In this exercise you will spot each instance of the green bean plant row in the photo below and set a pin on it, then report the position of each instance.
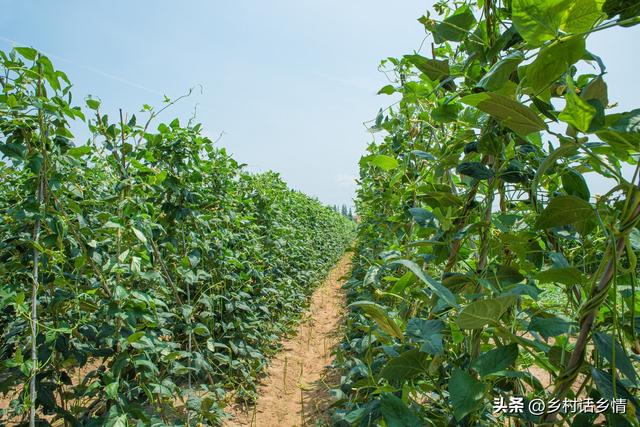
(487, 273)
(144, 273)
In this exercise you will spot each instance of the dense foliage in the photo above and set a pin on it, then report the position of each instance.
(485, 269)
(161, 273)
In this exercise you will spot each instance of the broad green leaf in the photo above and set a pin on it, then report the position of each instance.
(387, 90)
(446, 113)
(465, 393)
(549, 326)
(500, 72)
(577, 112)
(626, 8)
(384, 162)
(507, 275)
(552, 62)
(455, 27)
(575, 185)
(495, 360)
(202, 330)
(13, 150)
(421, 215)
(437, 288)
(538, 21)
(510, 113)
(94, 104)
(27, 52)
(441, 199)
(583, 16)
(434, 69)
(622, 131)
(596, 89)
(112, 390)
(379, 314)
(610, 349)
(428, 333)
(135, 337)
(395, 412)
(604, 383)
(483, 312)
(566, 210)
(119, 421)
(628, 122)
(139, 234)
(404, 367)
(566, 276)
(475, 170)
(79, 151)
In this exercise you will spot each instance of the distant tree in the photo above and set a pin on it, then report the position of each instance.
(350, 215)
(344, 210)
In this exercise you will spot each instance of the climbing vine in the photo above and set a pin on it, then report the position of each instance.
(486, 271)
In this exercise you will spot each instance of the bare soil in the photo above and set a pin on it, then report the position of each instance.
(295, 391)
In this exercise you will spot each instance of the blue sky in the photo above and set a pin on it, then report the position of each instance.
(290, 83)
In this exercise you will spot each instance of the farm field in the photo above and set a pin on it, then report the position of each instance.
(148, 277)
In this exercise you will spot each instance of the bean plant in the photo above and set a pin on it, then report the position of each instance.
(486, 270)
(144, 274)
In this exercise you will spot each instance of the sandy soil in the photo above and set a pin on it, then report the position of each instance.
(295, 391)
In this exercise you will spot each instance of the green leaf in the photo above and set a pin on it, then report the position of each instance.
(387, 90)
(27, 52)
(395, 412)
(583, 16)
(428, 333)
(626, 8)
(566, 210)
(538, 21)
(512, 114)
(404, 367)
(433, 68)
(465, 393)
(596, 89)
(382, 161)
(628, 123)
(13, 150)
(135, 337)
(437, 288)
(500, 72)
(549, 326)
(139, 235)
(575, 185)
(610, 349)
(577, 112)
(446, 113)
(484, 312)
(604, 383)
(421, 216)
(202, 330)
(119, 421)
(94, 104)
(566, 276)
(495, 360)
(112, 390)
(623, 130)
(475, 170)
(441, 199)
(552, 62)
(78, 152)
(379, 314)
(455, 27)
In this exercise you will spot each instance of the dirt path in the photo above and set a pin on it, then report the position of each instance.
(295, 391)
